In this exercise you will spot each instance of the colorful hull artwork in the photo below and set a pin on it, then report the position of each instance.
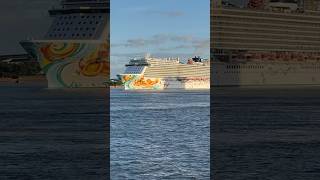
(72, 64)
(139, 82)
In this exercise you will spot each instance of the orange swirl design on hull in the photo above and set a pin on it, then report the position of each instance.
(140, 82)
(96, 64)
(145, 83)
(58, 51)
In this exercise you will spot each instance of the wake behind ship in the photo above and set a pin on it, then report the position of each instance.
(150, 73)
(75, 50)
(265, 42)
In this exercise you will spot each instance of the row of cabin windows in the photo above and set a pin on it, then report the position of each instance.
(248, 67)
(76, 28)
(311, 67)
(74, 17)
(72, 35)
(81, 22)
(133, 72)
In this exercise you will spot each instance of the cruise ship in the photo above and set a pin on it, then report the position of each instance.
(265, 42)
(75, 50)
(151, 73)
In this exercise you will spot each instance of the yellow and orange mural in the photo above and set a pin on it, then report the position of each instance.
(132, 82)
(73, 64)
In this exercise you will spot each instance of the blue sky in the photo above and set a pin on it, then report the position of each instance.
(175, 28)
(161, 27)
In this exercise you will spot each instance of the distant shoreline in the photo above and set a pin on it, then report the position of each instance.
(116, 87)
(24, 79)
(36, 79)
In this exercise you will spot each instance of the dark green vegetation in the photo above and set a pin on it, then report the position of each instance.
(114, 82)
(14, 70)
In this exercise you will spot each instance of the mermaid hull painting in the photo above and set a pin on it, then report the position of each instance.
(71, 64)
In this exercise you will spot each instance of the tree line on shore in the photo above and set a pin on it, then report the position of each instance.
(14, 70)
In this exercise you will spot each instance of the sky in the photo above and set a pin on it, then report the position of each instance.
(166, 28)
(20, 20)
(163, 28)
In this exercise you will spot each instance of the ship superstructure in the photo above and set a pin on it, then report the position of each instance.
(75, 50)
(168, 73)
(265, 42)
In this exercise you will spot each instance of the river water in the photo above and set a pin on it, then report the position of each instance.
(53, 134)
(160, 135)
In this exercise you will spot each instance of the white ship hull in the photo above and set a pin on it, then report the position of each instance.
(134, 82)
(256, 74)
(161, 74)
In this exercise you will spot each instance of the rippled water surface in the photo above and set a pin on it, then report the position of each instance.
(160, 135)
(266, 133)
(52, 134)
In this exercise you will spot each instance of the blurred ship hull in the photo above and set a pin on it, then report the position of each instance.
(265, 73)
(74, 53)
(71, 64)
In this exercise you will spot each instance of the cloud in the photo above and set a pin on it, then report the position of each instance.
(169, 43)
(143, 42)
(165, 13)
(158, 39)
(176, 48)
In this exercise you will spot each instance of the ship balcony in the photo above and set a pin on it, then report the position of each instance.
(137, 64)
(85, 3)
(55, 12)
